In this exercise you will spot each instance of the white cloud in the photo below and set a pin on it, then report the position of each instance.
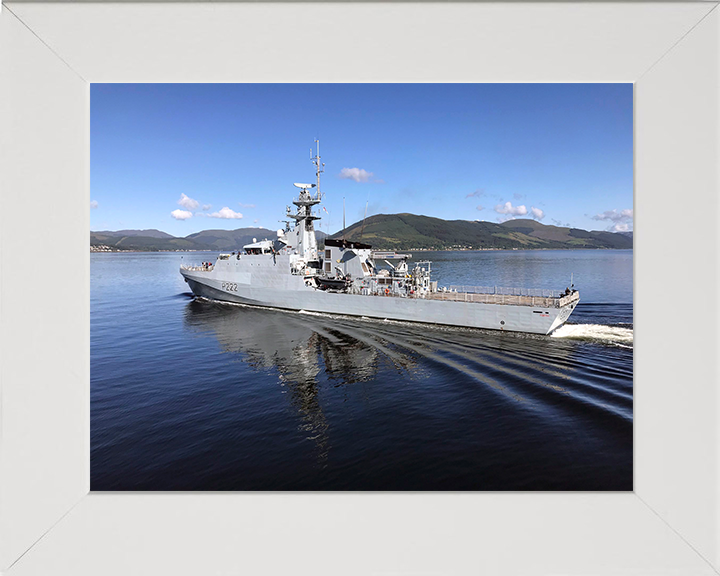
(479, 192)
(94, 204)
(511, 210)
(518, 196)
(478, 207)
(181, 214)
(206, 207)
(256, 221)
(226, 213)
(188, 203)
(537, 213)
(621, 219)
(615, 215)
(357, 174)
(246, 205)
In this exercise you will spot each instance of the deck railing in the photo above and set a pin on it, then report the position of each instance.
(508, 291)
(197, 268)
(506, 299)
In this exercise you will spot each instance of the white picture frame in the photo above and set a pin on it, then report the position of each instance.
(50, 524)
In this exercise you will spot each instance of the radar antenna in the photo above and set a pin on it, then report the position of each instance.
(319, 166)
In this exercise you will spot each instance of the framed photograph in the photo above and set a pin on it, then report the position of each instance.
(53, 55)
(294, 327)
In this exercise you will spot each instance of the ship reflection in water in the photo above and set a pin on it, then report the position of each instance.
(396, 405)
(303, 349)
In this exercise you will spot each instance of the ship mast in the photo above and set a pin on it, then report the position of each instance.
(304, 230)
(319, 167)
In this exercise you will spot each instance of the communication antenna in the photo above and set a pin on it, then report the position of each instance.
(319, 166)
(365, 216)
(343, 217)
(571, 280)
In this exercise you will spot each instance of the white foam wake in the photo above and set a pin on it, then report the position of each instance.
(311, 313)
(610, 334)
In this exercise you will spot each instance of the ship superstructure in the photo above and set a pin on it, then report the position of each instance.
(346, 277)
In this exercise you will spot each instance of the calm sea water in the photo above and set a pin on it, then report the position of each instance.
(196, 395)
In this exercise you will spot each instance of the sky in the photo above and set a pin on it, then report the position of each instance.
(188, 157)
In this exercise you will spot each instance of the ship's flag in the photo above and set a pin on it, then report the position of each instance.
(326, 212)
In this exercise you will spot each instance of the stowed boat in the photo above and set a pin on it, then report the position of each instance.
(289, 272)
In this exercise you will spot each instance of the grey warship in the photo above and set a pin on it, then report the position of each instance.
(348, 278)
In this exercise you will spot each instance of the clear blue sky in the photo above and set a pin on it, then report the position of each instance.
(561, 153)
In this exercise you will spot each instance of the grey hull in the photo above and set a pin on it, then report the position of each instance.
(260, 282)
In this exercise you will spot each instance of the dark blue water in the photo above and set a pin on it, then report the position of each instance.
(196, 395)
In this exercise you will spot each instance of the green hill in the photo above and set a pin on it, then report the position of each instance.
(155, 240)
(144, 243)
(572, 237)
(409, 231)
(150, 233)
(231, 239)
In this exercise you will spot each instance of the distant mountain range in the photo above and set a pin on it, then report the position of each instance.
(151, 233)
(386, 231)
(408, 231)
(156, 240)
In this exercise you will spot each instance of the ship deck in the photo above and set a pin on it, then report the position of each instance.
(508, 299)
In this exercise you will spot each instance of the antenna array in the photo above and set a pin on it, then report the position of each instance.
(319, 166)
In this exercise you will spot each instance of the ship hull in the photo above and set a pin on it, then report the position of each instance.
(290, 293)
